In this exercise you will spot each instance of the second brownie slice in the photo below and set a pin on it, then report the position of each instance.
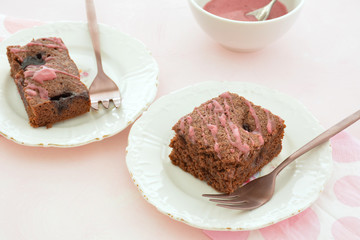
(48, 81)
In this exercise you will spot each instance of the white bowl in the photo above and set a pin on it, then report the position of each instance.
(245, 36)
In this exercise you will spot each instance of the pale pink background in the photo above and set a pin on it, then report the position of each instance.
(86, 192)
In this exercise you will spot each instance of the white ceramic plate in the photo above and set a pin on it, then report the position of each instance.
(126, 60)
(178, 194)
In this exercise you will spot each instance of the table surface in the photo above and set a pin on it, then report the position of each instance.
(86, 192)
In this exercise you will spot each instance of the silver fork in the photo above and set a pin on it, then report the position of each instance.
(102, 89)
(260, 190)
(262, 14)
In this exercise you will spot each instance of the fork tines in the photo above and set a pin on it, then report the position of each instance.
(106, 103)
(231, 201)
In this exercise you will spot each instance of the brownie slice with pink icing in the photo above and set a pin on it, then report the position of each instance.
(226, 140)
(48, 81)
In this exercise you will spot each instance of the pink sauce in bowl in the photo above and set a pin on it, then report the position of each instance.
(237, 9)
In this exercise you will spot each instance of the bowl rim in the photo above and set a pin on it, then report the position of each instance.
(292, 12)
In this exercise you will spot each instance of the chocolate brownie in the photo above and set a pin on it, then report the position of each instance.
(48, 81)
(226, 140)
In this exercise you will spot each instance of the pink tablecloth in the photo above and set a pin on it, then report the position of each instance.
(86, 193)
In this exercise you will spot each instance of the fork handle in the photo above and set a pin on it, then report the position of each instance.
(94, 32)
(323, 137)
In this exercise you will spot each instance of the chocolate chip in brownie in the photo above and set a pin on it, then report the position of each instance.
(33, 60)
